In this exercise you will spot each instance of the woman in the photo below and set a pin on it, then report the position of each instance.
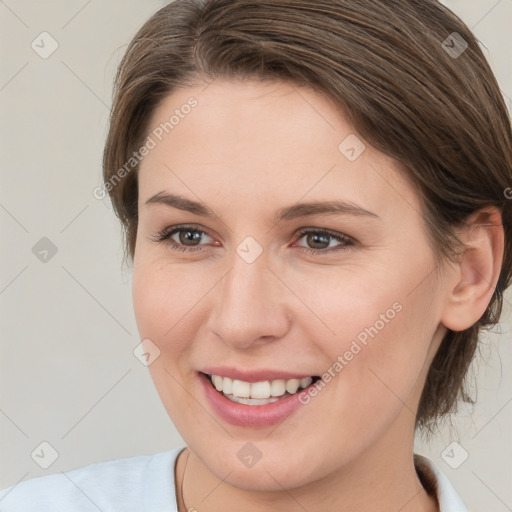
(313, 196)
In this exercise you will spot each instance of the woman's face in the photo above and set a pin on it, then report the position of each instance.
(242, 289)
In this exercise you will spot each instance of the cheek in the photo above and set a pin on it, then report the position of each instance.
(161, 304)
(158, 294)
(165, 299)
(148, 301)
(154, 302)
(375, 330)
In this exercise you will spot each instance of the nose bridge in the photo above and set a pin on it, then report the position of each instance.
(248, 305)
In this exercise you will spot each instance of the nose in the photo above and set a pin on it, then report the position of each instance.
(250, 305)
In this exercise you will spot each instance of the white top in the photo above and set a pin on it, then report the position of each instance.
(145, 483)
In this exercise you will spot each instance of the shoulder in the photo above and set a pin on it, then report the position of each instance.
(123, 484)
(436, 483)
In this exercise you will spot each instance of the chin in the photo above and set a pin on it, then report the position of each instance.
(273, 473)
(265, 479)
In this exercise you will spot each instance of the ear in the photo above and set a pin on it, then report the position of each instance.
(474, 277)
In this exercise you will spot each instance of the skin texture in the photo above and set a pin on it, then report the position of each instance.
(246, 150)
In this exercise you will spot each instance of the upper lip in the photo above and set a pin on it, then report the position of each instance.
(253, 375)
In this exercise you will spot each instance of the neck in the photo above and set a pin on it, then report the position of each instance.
(379, 479)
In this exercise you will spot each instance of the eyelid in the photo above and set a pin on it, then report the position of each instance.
(345, 240)
(165, 236)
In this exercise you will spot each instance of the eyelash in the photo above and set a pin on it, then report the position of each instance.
(164, 236)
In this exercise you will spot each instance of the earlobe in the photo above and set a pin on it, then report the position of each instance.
(476, 273)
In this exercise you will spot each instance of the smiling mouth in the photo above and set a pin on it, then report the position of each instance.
(258, 393)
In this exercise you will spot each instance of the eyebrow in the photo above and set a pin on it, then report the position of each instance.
(287, 213)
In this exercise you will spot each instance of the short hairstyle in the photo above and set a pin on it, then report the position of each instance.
(408, 74)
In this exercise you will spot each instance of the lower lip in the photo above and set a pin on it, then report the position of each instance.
(250, 415)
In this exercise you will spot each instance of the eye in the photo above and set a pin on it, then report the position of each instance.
(188, 238)
(186, 235)
(321, 237)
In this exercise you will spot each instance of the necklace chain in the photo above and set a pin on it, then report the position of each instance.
(182, 479)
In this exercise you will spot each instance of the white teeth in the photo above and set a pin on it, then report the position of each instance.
(259, 389)
(240, 388)
(252, 401)
(227, 386)
(278, 387)
(262, 391)
(292, 385)
(305, 382)
(217, 382)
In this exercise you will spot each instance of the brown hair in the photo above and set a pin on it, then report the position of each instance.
(405, 81)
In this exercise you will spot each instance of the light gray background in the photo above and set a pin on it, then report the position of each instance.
(68, 374)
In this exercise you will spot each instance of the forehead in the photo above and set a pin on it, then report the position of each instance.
(265, 143)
